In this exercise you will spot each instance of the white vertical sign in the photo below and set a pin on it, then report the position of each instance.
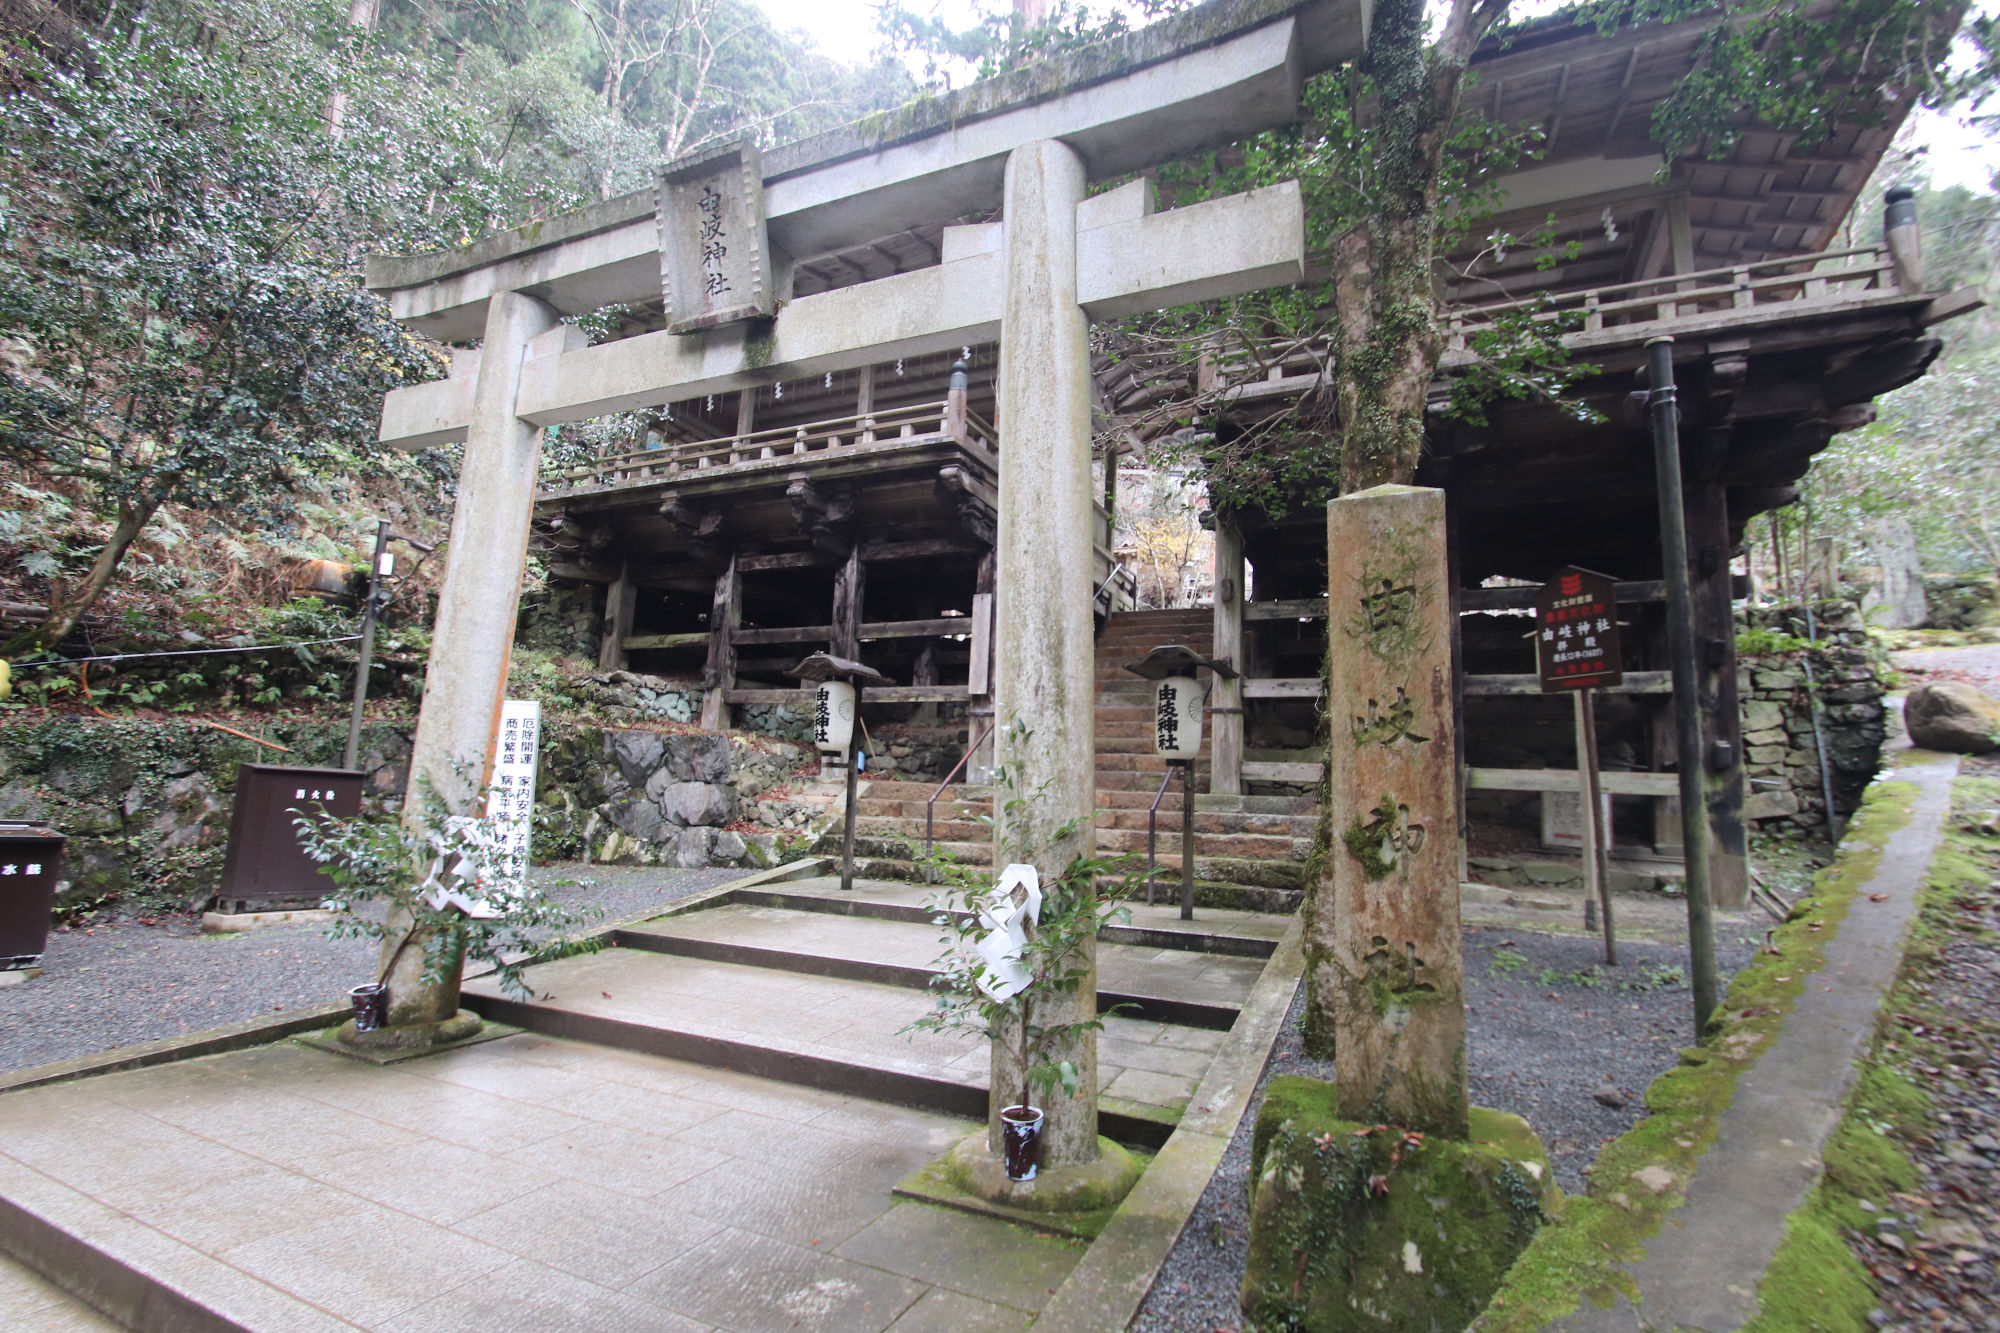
(511, 797)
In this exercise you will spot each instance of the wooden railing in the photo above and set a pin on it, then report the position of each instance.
(917, 421)
(1659, 301)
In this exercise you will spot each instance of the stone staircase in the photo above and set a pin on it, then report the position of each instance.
(1250, 851)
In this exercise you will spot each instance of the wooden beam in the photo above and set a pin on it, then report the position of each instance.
(782, 634)
(757, 564)
(925, 549)
(1611, 782)
(581, 572)
(1300, 687)
(1522, 598)
(916, 629)
(877, 694)
(979, 678)
(1298, 608)
(1636, 682)
(653, 642)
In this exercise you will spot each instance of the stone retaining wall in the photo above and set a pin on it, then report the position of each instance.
(1781, 755)
(146, 802)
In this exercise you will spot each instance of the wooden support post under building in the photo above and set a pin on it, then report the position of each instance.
(849, 588)
(725, 616)
(979, 674)
(1721, 760)
(621, 600)
(1225, 698)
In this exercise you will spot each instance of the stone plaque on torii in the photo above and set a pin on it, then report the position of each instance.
(1027, 142)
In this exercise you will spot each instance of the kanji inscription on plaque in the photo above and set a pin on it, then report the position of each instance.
(714, 256)
(1576, 632)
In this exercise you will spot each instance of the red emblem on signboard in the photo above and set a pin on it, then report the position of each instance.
(1576, 632)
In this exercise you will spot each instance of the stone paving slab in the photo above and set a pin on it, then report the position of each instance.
(829, 1018)
(528, 1183)
(1173, 974)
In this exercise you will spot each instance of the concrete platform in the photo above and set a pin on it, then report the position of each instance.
(523, 1184)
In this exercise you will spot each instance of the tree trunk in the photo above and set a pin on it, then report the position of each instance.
(1385, 310)
(64, 612)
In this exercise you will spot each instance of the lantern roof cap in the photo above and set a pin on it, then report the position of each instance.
(1175, 659)
(825, 666)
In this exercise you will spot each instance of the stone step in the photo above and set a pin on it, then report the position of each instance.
(1187, 987)
(1234, 846)
(1250, 933)
(824, 1032)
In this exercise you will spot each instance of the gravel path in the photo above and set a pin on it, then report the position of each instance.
(118, 983)
(1546, 1033)
(1979, 665)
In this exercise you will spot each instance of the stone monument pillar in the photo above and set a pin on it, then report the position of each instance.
(466, 678)
(1045, 659)
(1386, 976)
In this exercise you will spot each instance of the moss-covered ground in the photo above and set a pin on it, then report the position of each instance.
(1640, 1177)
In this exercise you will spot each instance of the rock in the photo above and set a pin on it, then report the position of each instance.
(700, 757)
(762, 849)
(1953, 717)
(637, 816)
(728, 846)
(1770, 804)
(1611, 1097)
(694, 847)
(697, 803)
(191, 816)
(1655, 1178)
(637, 753)
(1762, 717)
(20, 801)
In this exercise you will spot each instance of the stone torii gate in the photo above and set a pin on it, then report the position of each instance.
(1029, 142)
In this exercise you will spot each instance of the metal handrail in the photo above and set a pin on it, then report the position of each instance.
(1153, 833)
(930, 806)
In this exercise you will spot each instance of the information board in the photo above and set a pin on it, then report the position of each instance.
(1576, 632)
(510, 799)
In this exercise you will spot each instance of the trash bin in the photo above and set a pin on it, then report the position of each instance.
(265, 869)
(30, 864)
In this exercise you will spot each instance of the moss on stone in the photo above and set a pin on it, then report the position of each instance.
(1581, 1257)
(1363, 1227)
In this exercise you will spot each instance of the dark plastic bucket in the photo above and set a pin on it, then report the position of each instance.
(1021, 1140)
(371, 1007)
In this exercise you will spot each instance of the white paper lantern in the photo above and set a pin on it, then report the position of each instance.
(1177, 717)
(833, 716)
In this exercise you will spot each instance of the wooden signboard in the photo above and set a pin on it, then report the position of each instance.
(1576, 632)
(714, 255)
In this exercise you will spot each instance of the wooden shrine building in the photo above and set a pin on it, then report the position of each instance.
(817, 499)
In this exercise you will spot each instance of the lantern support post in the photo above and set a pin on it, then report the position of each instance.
(831, 731)
(1187, 839)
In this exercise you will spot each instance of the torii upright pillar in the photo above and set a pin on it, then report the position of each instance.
(1045, 657)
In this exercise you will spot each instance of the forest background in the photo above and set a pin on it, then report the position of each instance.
(190, 373)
